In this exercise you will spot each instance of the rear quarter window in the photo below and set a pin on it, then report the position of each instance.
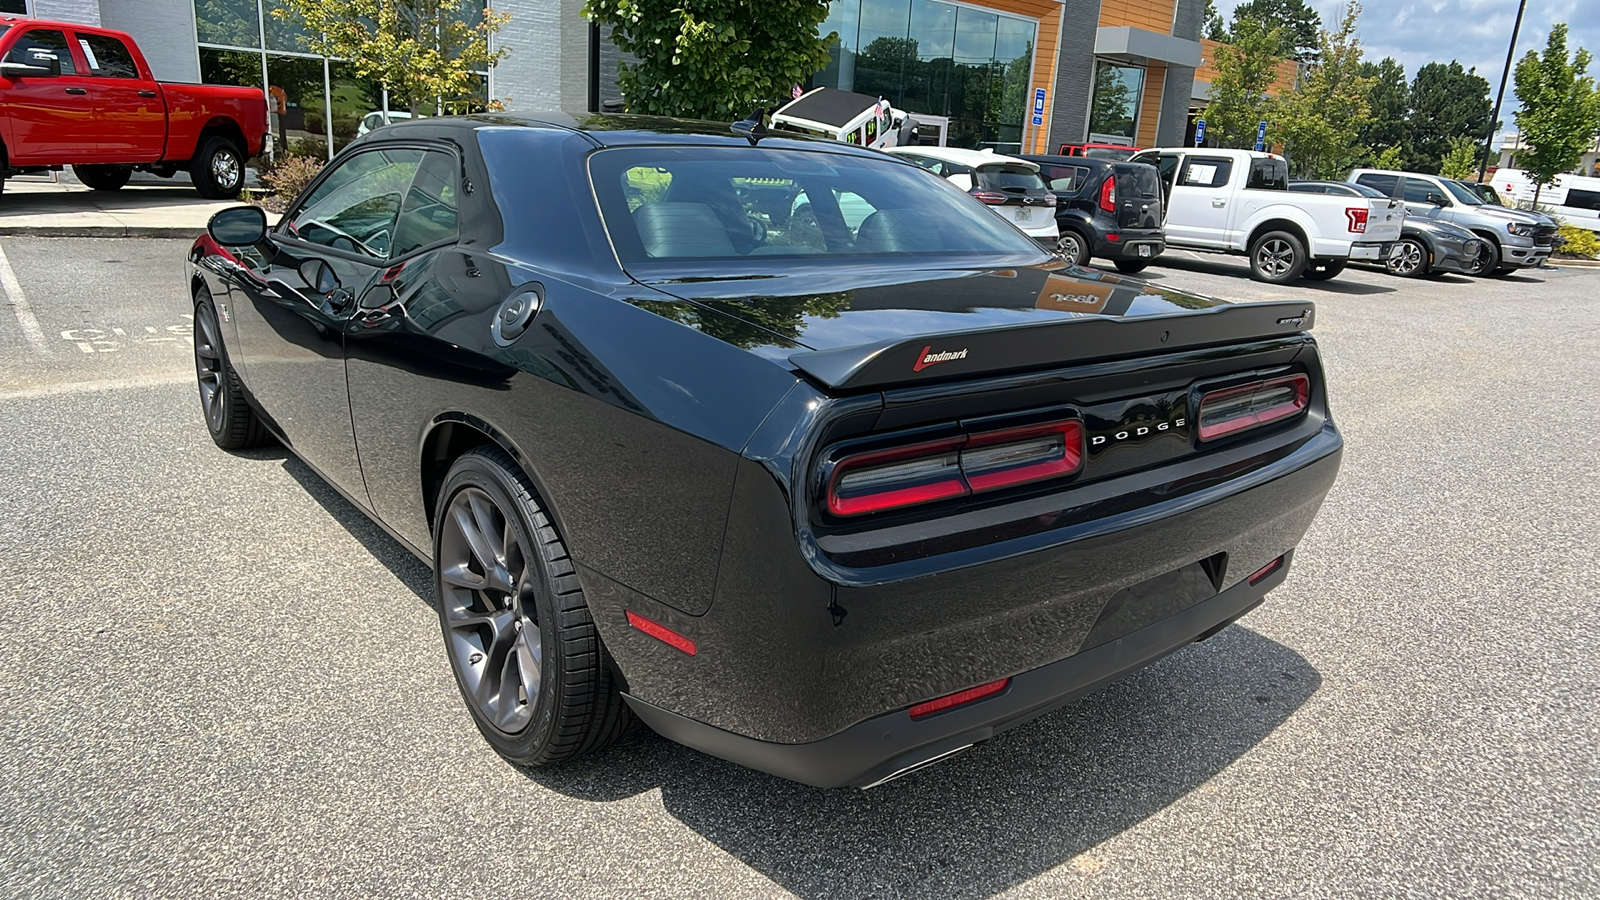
(1067, 179)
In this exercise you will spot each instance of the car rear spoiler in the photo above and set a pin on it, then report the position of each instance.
(1013, 347)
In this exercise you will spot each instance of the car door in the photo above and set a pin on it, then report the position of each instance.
(1197, 207)
(130, 116)
(51, 118)
(291, 331)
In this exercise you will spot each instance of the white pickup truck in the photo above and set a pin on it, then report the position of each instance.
(1238, 201)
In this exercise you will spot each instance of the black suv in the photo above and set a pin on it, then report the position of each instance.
(1104, 208)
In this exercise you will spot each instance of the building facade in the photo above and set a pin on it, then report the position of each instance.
(1015, 75)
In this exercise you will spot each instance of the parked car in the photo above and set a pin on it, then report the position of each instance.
(830, 505)
(84, 97)
(845, 116)
(376, 119)
(1428, 244)
(1238, 201)
(1571, 199)
(1110, 210)
(1514, 239)
(1116, 152)
(1011, 187)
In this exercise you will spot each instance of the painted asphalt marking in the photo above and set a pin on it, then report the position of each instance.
(19, 305)
(100, 340)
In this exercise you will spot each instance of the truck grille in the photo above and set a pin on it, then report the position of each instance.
(1544, 235)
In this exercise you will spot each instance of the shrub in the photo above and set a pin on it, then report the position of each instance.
(287, 179)
(1579, 242)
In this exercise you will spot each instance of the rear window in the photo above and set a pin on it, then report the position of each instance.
(698, 203)
(1138, 181)
(1384, 183)
(107, 56)
(1268, 175)
(1008, 177)
(1117, 154)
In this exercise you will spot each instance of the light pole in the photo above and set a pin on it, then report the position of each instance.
(1494, 117)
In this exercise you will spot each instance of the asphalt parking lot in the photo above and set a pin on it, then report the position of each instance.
(219, 680)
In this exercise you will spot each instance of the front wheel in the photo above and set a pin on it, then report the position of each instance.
(521, 643)
(218, 169)
(1325, 270)
(1277, 257)
(1488, 260)
(103, 178)
(1409, 261)
(230, 420)
(1131, 266)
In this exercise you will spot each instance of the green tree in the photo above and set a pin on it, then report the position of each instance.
(1560, 113)
(1214, 28)
(1246, 67)
(1462, 160)
(1447, 102)
(1389, 101)
(422, 51)
(1299, 23)
(713, 59)
(1320, 121)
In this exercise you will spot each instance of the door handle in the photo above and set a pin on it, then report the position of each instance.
(147, 93)
(1218, 204)
(78, 91)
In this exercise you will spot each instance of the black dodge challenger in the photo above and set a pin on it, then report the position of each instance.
(789, 448)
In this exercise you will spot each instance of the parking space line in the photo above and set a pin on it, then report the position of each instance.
(19, 305)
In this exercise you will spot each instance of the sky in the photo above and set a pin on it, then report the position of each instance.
(1474, 32)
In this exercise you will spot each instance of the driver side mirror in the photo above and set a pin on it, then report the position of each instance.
(238, 226)
(40, 65)
(1436, 198)
(319, 276)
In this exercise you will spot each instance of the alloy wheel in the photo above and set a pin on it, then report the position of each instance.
(1275, 258)
(1408, 261)
(489, 609)
(1070, 248)
(225, 168)
(209, 368)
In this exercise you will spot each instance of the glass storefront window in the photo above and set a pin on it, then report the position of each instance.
(299, 118)
(927, 56)
(1117, 91)
(14, 7)
(281, 35)
(239, 68)
(236, 23)
(353, 98)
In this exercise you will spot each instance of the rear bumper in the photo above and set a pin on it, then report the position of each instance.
(1130, 245)
(882, 747)
(1370, 251)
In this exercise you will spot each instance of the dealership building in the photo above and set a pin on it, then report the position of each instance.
(1016, 75)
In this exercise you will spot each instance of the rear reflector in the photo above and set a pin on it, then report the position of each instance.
(661, 632)
(1228, 411)
(939, 470)
(958, 698)
(1266, 570)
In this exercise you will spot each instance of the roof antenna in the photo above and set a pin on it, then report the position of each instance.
(753, 127)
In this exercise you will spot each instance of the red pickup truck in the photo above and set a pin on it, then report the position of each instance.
(84, 97)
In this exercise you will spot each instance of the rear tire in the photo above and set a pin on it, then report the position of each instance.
(217, 170)
(230, 420)
(521, 642)
(103, 178)
(1131, 266)
(1277, 257)
(1325, 271)
(1073, 247)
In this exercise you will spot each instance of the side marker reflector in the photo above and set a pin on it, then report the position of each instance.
(1266, 570)
(661, 632)
(952, 700)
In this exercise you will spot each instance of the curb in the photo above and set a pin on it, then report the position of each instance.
(1559, 262)
(101, 231)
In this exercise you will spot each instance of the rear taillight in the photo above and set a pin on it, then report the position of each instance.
(1232, 410)
(993, 198)
(939, 470)
(1108, 194)
(1358, 220)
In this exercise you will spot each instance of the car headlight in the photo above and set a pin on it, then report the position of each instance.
(1520, 229)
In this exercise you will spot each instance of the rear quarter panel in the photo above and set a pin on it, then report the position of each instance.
(193, 107)
(1321, 217)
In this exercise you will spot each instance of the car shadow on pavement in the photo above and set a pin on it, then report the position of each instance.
(402, 563)
(1037, 797)
(1338, 285)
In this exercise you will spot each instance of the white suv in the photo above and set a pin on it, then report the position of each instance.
(1011, 187)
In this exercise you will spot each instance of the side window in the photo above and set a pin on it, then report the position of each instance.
(355, 208)
(1417, 190)
(1579, 199)
(107, 57)
(1270, 174)
(1206, 172)
(1385, 183)
(1067, 179)
(1167, 168)
(428, 214)
(37, 43)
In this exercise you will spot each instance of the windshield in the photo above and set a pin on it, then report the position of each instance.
(683, 203)
(1467, 196)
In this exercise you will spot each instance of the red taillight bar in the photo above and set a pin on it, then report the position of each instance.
(1225, 412)
(953, 467)
(1108, 194)
(993, 198)
(661, 632)
(941, 704)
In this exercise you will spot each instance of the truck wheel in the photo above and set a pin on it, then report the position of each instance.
(103, 178)
(1488, 260)
(1325, 270)
(1277, 257)
(218, 169)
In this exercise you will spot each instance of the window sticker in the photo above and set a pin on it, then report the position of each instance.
(1201, 174)
(94, 64)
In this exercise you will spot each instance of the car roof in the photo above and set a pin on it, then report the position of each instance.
(962, 156)
(1091, 162)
